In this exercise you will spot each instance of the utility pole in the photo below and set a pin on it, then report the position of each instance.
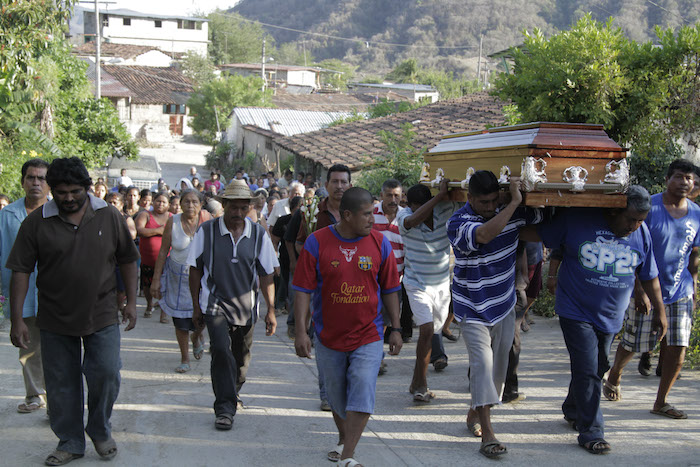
(303, 44)
(98, 39)
(262, 70)
(478, 66)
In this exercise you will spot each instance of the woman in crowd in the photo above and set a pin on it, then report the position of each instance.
(145, 200)
(131, 202)
(100, 190)
(116, 199)
(197, 185)
(150, 226)
(175, 204)
(171, 266)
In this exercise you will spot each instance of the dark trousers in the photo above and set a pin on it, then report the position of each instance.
(589, 350)
(511, 384)
(406, 315)
(438, 349)
(63, 373)
(230, 359)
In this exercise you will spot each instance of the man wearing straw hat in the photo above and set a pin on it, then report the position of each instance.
(230, 260)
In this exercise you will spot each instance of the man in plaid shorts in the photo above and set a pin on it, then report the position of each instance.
(674, 223)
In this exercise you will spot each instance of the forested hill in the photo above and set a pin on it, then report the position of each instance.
(447, 23)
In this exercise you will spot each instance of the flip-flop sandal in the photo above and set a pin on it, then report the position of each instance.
(489, 449)
(106, 449)
(475, 429)
(598, 446)
(61, 457)
(665, 411)
(29, 408)
(198, 352)
(349, 462)
(423, 396)
(335, 453)
(611, 391)
(223, 422)
(183, 368)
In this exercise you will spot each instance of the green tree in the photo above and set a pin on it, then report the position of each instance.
(401, 161)
(340, 79)
(445, 82)
(198, 68)
(216, 99)
(292, 53)
(235, 40)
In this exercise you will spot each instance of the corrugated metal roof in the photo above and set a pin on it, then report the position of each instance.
(287, 122)
(403, 86)
(138, 14)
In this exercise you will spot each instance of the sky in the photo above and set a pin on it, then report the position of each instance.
(169, 7)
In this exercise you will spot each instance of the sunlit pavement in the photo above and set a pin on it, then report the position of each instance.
(165, 418)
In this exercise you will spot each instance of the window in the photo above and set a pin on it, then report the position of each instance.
(158, 23)
(127, 21)
(105, 21)
(174, 109)
(268, 144)
(189, 24)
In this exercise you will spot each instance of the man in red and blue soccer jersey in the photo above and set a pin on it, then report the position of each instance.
(348, 267)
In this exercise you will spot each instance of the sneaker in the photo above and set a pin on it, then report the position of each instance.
(440, 364)
(325, 406)
(513, 397)
(644, 366)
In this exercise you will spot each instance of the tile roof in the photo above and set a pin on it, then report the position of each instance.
(151, 85)
(401, 86)
(286, 122)
(357, 142)
(110, 87)
(110, 49)
(333, 102)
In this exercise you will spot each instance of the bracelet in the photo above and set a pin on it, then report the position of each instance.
(395, 329)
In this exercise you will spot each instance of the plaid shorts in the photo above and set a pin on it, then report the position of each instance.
(637, 336)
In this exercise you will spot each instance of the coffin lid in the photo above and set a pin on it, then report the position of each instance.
(536, 135)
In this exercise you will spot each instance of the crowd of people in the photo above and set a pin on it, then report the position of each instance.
(352, 272)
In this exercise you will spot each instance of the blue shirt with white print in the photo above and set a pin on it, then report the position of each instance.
(597, 274)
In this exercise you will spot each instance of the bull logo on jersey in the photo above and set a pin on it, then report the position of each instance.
(348, 252)
(365, 263)
(609, 257)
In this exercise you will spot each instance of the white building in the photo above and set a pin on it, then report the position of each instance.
(294, 79)
(415, 92)
(171, 34)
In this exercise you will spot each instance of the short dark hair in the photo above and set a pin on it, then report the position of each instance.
(116, 195)
(68, 170)
(33, 163)
(483, 182)
(354, 199)
(391, 184)
(5, 197)
(295, 202)
(338, 168)
(288, 172)
(638, 198)
(145, 192)
(680, 165)
(418, 194)
(164, 194)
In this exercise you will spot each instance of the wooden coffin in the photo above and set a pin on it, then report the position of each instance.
(561, 164)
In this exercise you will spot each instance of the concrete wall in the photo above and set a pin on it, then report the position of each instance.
(302, 78)
(149, 122)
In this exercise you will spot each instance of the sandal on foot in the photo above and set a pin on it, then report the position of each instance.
(598, 446)
(106, 449)
(198, 351)
(29, 408)
(671, 412)
(422, 396)
(335, 453)
(491, 450)
(611, 391)
(148, 313)
(349, 462)
(223, 422)
(474, 428)
(61, 457)
(183, 368)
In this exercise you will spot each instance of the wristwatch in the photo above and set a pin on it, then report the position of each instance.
(395, 329)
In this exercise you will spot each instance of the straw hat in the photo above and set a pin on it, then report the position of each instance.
(237, 189)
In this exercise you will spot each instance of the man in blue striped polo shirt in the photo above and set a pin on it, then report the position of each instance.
(426, 274)
(485, 240)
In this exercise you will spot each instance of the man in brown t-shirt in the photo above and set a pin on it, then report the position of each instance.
(75, 241)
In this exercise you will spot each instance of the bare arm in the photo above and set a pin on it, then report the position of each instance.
(129, 274)
(275, 241)
(19, 284)
(391, 303)
(141, 229)
(293, 253)
(160, 261)
(132, 227)
(302, 343)
(528, 233)
(693, 268)
(195, 286)
(659, 322)
(493, 227)
(267, 286)
(554, 264)
(425, 211)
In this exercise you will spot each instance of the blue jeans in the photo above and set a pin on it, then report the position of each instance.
(63, 373)
(589, 350)
(438, 348)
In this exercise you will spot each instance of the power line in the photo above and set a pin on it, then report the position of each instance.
(367, 42)
(669, 11)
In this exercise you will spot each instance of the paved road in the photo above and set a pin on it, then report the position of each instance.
(176, 159)
(163, 418)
